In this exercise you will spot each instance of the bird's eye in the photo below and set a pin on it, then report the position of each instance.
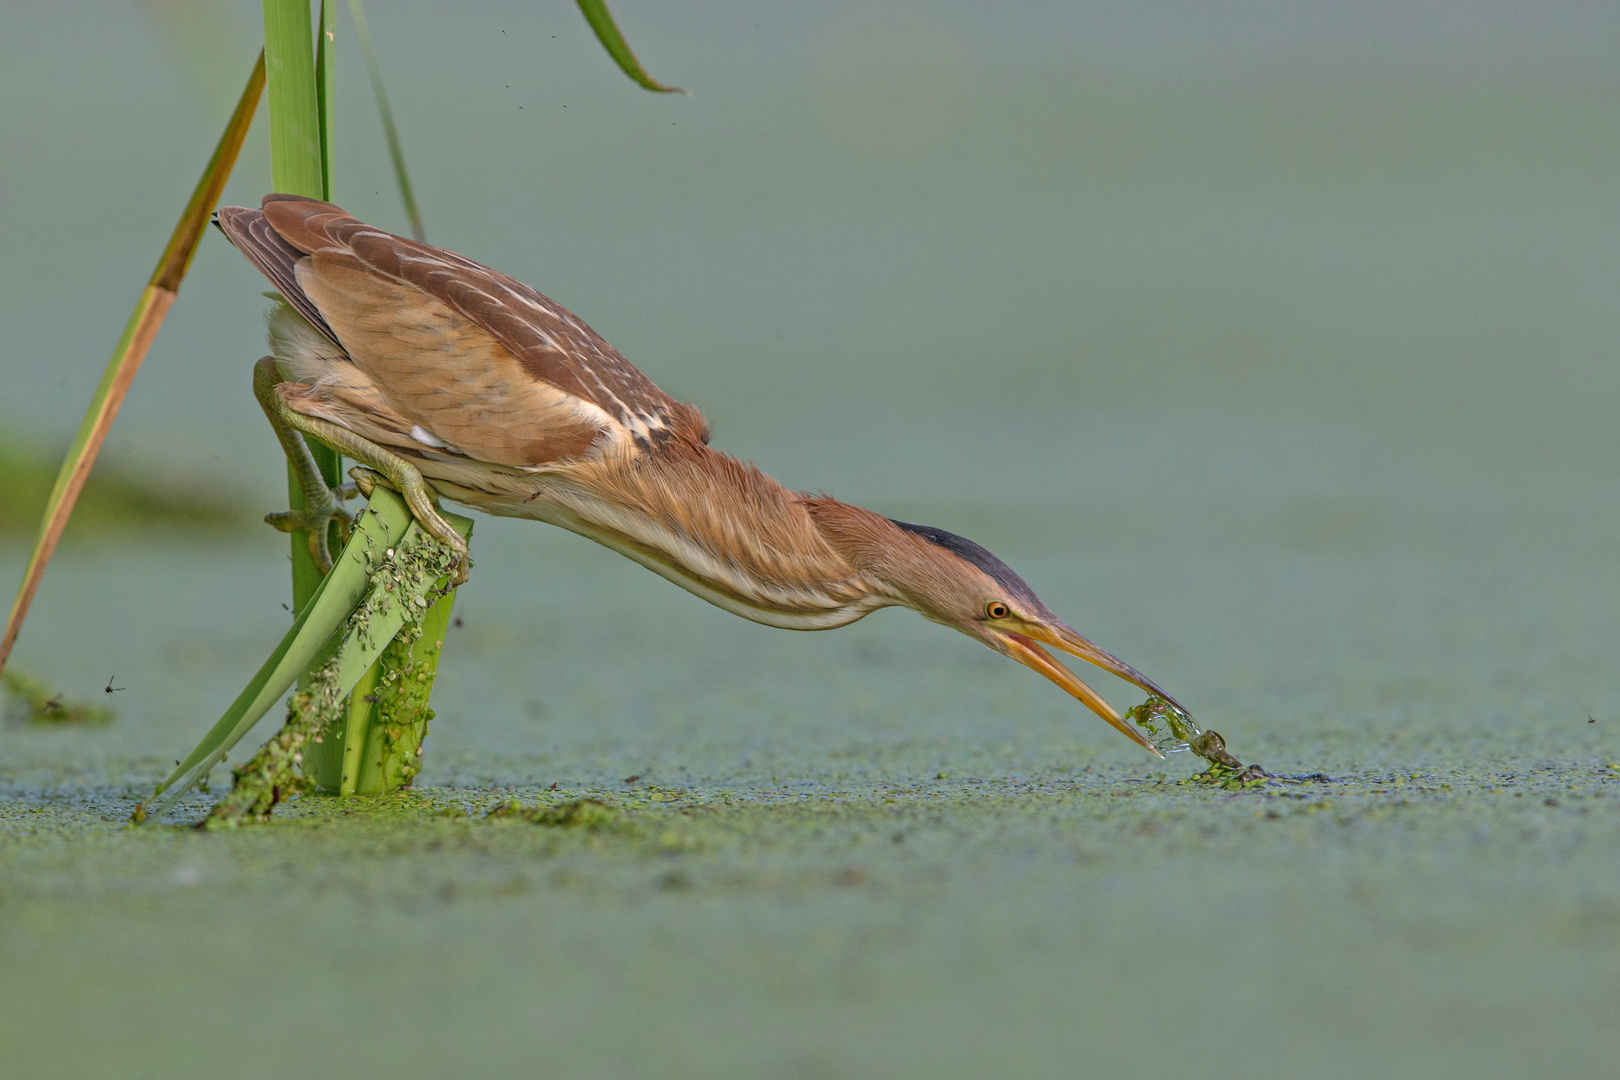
(995, 609)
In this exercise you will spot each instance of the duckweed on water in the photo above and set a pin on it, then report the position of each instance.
(1184, 734)
(702, 910)
(574, 814)
(30, 700)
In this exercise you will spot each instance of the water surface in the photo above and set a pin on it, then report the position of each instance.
(1280, 363)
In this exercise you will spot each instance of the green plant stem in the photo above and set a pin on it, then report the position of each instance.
(297, 168)
(295, 123)
(353, 744)
(392, 755)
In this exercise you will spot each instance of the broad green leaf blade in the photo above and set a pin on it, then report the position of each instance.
(131, 350)
(384, 522)
(356, 724)
(398, 721)
(607, 32)
(396, 152)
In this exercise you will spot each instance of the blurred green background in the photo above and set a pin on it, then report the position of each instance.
(1273, 343)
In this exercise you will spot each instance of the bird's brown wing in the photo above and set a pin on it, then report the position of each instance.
(480, 361)
(251, 234)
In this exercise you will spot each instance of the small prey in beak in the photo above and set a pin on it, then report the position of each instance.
(954, 581)
(1023, 648)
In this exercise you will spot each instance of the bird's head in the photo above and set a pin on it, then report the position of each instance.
(953, 581)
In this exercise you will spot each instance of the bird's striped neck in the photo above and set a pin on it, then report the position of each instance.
(717, 527)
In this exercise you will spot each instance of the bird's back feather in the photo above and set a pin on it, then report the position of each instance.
(475, 361)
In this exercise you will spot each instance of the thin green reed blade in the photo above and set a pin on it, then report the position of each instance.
(396, 152)
(131, 349)
(326, 89)
(607, 32)
(381, 526)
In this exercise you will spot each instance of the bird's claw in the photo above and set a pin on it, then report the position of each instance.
(367, 480)
(315, 518)
(463, 567)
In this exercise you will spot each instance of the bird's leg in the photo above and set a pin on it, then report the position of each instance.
(322, 504)
(381, 466)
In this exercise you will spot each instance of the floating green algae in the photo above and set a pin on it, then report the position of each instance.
(1185, 734)
(31, 700)
(894, 896)
(584, 813)
(112, 498)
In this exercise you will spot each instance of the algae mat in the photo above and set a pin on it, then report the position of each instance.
(868, 853)
(1400, 924)
(1286, 376)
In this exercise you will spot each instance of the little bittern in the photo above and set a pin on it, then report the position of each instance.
(446, 377)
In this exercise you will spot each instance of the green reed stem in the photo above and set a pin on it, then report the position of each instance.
(297, 167)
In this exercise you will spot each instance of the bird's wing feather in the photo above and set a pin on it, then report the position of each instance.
(251, 234)
(445, 373)
(523, 345)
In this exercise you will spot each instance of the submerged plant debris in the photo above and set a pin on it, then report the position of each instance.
(408, 575)
(30, 700)
(112, 499)
(574, 814)
(1184, 734)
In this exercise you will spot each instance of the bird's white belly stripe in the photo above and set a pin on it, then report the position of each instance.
(824, 620)
(690, 567)
(699, 562)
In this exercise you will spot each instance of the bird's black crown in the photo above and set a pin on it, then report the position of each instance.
(967, 550)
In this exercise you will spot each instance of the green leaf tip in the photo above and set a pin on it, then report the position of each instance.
(607, 32)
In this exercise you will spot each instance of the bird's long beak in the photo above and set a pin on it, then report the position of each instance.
(1023, 648)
